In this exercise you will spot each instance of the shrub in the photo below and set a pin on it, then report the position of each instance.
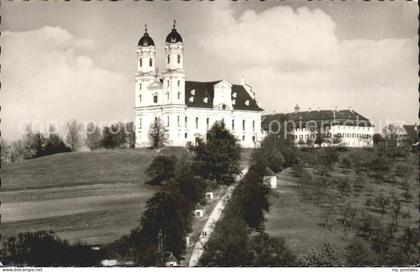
(161, 169)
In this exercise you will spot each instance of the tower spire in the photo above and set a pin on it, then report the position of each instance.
(145, 28)
(174, 23)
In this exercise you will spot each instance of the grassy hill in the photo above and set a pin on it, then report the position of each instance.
(94, 197)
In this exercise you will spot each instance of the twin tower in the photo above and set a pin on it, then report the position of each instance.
(169, 88)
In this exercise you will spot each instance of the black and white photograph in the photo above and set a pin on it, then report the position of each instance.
(209, 134)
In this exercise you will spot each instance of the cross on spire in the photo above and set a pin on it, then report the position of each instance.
(174, 23)
(145, 28)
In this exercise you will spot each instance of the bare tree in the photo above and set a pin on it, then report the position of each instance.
(93, 136)
(73, 138)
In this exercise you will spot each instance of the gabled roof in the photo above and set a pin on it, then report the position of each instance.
(201, 94)
(337, 117)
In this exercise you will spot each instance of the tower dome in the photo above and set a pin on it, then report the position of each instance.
(174, 36)
(146, 40)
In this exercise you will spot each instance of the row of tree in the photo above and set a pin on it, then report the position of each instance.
(36, 144)
(167, 218)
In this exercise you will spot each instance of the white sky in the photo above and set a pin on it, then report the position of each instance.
(77, 59)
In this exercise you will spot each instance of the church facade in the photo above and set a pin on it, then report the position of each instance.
(187, 109)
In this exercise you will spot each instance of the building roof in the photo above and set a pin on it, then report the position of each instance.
(173, 36)
(146, 40)
(201, 94)
(337, 117)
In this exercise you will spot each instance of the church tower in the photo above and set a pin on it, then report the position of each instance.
(174, 75)
(146, 64)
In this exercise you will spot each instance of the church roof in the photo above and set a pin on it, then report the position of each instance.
(173, 36)
(146, 40)
(201, 94)
(337, 117)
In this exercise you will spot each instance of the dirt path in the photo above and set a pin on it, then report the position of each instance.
(211, 222)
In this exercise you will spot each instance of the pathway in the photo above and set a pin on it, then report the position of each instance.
(211, 222)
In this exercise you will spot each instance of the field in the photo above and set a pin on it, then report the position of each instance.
(302, 222)
(93, 197)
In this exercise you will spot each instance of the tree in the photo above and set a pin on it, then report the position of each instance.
(377, 139)
(268, 156)
(229, 245)
(408, 243)
(381, 202)
(107, 138)
(73, 138)
(161, 169)
(218, 157)
(185, 183)
(390, 133)
(337, 139)
(359, 253)
(53, 145)
(46, 249)
(402, 170)
(93, 136)
(271, 251)
(326, 256)
(309, 142)
(252, 197)
(167, 215)
(396, 207)
(5, 150)
(131, 134)
(380, 166)
(157, 134)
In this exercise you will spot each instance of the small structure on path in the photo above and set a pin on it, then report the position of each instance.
(171, 260)
(209, 196)
(187, 241)
(199, 211)
(270, 178)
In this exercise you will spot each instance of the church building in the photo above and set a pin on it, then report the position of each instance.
(187, 109)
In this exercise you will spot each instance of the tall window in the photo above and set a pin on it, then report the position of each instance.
(233, 124)
(179, 95)
(167, 95)
(186, 122)
(167, 121)
(243, 124)
(140, 123)
(150, 62)
(178, 121)
(169, 58)
(140, 86)
(208, 123)
(141, 62)
(179, 83)
(167, 83)
(179, 58)
(253, 125)
(140, 98)
(155, 98)
(196, 122)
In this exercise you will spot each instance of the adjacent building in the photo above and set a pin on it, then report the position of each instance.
(187, 109)
(321, 127)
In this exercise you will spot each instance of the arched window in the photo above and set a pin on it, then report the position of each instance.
(155, 98)
(169, 59)
(167, 95)
(179, 95)
(178, 120)
(150, 62)
(140, 98)
(233, 124)
(196, 122)
(186, 122)
(243, 124)
(141, 62)
(179, 58)
(140, 86)
(167, 121)
(208, 123)
(179, 83)
(253, 125)
(167, 83)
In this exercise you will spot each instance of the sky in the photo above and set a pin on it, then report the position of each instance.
(65, 60)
